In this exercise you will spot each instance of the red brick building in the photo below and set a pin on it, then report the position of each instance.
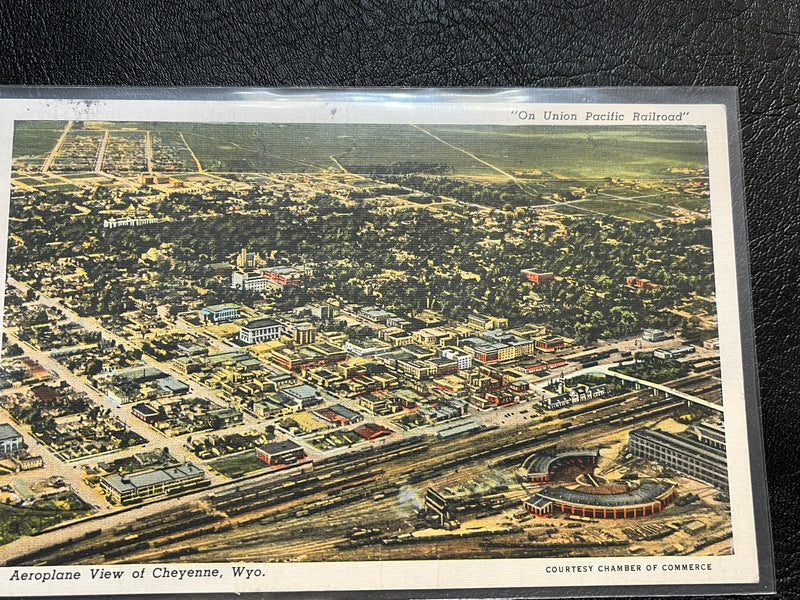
(283, 276)
(372, 431)
(639, 283)
(281, 453)
(537, 277)
(551, 343)
(648, 499)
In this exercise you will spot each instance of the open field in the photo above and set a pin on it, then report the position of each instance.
(18, 522)
(36, 138)
(309, 148)
(238, 465)
(624, 209)
(634, 173)
(577, 152)
(582, 151)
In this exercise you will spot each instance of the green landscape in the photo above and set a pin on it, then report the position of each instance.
(570, 151)
(17, 522)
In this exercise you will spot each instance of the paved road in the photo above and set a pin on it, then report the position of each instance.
(155, 439)
(73, 470)
(148, 151)
(53, 467)
(101, 152)
(194, 156)
(54, 152)
(195, 388)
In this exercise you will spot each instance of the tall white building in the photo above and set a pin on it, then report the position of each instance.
(259, 330)
(463, 360)
(251, 281)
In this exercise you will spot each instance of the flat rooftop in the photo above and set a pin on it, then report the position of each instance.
(280, 447)
(7, 432)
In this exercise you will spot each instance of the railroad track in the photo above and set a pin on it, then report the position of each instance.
(223, 519)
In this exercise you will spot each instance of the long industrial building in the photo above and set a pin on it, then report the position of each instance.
(124, 489)
(683, 453)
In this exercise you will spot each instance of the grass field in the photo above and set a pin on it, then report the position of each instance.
(309, 148)
(17, 522)
(583, 151)
(572, 152)
(36, 138)
(690, 202)
(623, 209)
(568, 151)
(550, 159)
(238, 465)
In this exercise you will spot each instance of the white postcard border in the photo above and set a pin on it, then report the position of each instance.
(503, 108)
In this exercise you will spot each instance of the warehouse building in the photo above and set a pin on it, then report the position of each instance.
(301, 396)
(124, 489)
(654, 335)
(710, 433)
(281, 453)
(339, 415)
(683, 453)
(674, 353)
(467, 428)
(147, 413)
(10, 439)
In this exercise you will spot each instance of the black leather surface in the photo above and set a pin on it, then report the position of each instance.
(753, 45)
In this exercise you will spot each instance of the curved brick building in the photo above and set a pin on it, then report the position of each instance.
(649, 498)
(551, 465)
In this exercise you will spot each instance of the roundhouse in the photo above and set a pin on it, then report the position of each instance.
(648, 499)
(553, 466)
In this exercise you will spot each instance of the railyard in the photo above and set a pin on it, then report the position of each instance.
(367, 504)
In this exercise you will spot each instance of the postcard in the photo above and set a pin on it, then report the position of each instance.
(398, 341)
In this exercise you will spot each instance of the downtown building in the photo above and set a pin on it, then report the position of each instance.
(249, 281)
(220, 313)
(259, 330)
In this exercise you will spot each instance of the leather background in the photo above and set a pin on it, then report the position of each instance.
(749, 44)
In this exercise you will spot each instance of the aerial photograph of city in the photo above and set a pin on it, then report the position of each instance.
(270, 342)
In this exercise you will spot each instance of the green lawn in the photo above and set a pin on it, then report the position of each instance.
(16, 522)
(238, 465)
